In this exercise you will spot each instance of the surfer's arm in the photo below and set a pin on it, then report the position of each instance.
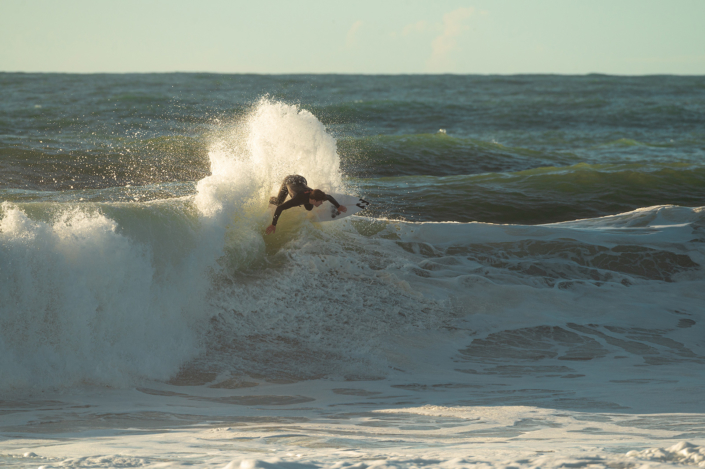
(281, 208)
(330, 199)
(283, 192)
(340, 208)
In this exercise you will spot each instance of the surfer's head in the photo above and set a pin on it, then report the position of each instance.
(316, 197)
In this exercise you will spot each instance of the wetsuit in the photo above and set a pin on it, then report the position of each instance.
(296, 187)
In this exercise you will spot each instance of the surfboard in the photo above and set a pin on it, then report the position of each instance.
(328, 212)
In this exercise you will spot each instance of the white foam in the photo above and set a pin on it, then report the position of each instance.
(81, 302)
(682, 453)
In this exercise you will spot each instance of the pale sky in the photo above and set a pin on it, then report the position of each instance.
(622, 37)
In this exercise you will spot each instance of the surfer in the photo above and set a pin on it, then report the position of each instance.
(296, 186)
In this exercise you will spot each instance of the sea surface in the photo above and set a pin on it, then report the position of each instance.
(527, 288)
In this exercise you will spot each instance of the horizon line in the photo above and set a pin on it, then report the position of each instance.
(358, 74)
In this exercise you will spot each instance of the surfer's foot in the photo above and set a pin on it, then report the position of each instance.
(273, 201)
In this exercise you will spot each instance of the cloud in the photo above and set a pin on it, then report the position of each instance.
(418, 27)
(351, 39)
(454, 23)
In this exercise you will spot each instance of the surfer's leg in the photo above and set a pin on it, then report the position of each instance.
(295, 179)
(296, 184)
(283, 192)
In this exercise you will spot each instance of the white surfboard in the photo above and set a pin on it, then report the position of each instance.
(328, 212)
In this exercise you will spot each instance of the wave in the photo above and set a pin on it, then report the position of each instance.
(539, 195)
(189, 289)
(109, 293)
(349, 300)
(437, 155)
(115, 162)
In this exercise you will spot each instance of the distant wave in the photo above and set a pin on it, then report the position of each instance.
(539, 195)
(109, 161)
(438, 155)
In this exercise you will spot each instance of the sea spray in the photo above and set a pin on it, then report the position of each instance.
(284, 139)
(107, 293)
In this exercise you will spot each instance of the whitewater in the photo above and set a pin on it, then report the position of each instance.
(153, 324)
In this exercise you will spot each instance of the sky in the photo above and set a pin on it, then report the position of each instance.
(619, 37)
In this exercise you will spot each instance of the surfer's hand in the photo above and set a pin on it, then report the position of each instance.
(270, 229)
(341, 208)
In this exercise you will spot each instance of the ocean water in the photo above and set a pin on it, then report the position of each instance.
(526, 289)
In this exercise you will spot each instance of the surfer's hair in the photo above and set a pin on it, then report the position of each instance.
(318, 194)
